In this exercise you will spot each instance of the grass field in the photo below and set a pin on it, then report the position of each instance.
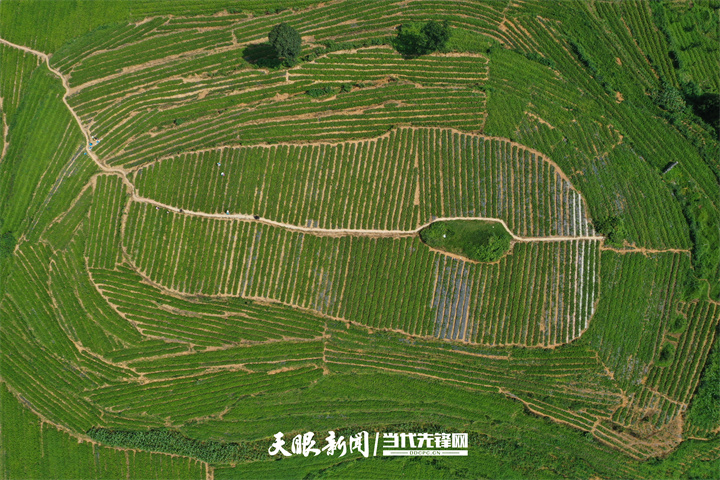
(203, 247)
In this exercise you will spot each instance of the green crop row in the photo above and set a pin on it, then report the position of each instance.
(361, 279)
(374, 184)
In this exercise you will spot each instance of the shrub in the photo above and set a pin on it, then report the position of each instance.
(320, 92)
(667, 353)
(7, 244)
(612, 228)
(678, 324)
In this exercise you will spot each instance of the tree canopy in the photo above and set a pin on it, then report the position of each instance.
(418, 39)
(286, 41)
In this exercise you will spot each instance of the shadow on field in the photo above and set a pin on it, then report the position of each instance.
(261, 55)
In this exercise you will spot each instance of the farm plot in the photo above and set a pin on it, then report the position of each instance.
(110, 197)
(541, 294)
(399, 181)
(208, 323)
(374, 64)
(362, 113)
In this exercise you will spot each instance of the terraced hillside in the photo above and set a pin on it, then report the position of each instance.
(197, 238)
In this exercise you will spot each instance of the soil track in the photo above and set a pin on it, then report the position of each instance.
(343, 232)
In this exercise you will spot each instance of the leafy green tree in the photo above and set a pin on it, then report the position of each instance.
(286, 41)
(415, 39)
(436, 34)
(612, 228)
(494, 248)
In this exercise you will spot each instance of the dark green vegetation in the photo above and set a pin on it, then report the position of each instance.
(480, 240)
(7, 244)
(705, 408)
(286, 41)
(415, 39)
(118, 318)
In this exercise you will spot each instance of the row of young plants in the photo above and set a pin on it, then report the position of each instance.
(627, 328)
(93, 99)
(103, 241)
(17, 67)
(102, 64)
(389, 351)
(314, 272)
(366, 181)
(680, 374)
(609, 163)
(347, 185)
(38, 358)
(494, 178)
(374, 64)
(221, 325)
(350, 115)
(544, 295)
(195, 397)
(104, 38)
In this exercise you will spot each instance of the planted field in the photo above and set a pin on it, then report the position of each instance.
(201, 246)
(396, 182)
(546, 301)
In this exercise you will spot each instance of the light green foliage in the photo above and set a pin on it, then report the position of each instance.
(475, 239)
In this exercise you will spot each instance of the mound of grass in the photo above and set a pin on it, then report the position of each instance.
(667, 353)
(678, 324)
(480, 240)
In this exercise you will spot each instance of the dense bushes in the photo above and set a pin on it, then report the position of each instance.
(667, 353)
(612, 228)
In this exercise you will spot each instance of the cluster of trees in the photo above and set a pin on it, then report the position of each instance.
(492, 250)
(413, 39)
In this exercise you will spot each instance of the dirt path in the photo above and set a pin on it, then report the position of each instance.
(6, 130)
(342, 232)
(66, 86)
(644, 251)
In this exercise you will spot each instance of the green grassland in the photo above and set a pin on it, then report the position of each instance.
(245, 251)
(478, 240)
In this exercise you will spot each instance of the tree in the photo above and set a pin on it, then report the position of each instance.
(436, 34)
(415, 39)
(286, 41)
